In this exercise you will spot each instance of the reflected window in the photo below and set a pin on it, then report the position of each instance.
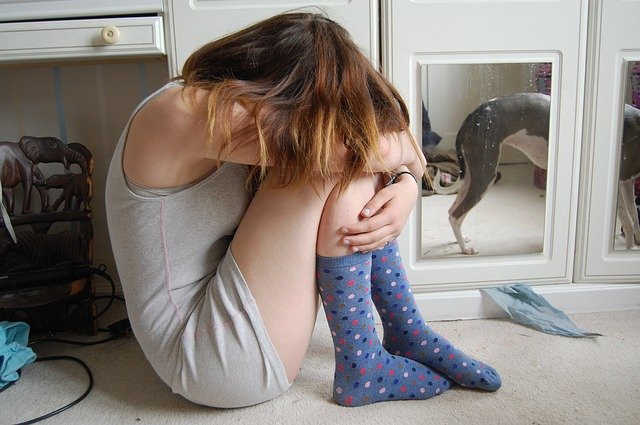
(485, 135)
(627, 232)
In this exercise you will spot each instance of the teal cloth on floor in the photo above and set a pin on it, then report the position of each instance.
(14, 353)
(528, 308)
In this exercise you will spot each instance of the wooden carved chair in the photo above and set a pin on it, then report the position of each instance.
(46, 255)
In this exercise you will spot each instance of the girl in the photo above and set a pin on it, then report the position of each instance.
(219, 279)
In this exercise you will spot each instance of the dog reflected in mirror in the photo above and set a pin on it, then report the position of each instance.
(520, 120)
(629, 172)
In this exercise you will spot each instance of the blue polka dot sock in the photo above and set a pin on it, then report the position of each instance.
(406, 333)
(365, 372)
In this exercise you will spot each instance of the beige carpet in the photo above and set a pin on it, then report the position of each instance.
(508, 220)
(547, 380)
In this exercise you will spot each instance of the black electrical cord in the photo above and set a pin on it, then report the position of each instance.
(100, 297)
(122, 324)
(70, 342)
(108, 296)
(73, 403)
(117, 329)
(6, 387)
(101, 271)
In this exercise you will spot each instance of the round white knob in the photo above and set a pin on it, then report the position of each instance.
(110, 34)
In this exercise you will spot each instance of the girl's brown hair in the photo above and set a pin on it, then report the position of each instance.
(308, 88)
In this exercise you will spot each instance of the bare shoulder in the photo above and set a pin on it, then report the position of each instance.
(166, 142)
(169, 113)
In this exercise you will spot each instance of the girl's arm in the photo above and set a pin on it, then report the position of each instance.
(384, 217)
(398, 150)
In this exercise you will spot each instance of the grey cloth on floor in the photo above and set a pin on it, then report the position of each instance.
(528, 308)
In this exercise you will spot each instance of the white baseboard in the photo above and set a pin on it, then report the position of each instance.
(471, 304)
(570, 298)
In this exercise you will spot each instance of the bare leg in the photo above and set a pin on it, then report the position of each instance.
(275, 248)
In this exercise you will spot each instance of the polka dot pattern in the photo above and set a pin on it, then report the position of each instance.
(365, 372)
(406, 333)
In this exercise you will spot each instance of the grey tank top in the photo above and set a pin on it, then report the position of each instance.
(165, 243)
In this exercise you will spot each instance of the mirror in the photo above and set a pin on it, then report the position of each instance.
(627, 230)
(485, 130)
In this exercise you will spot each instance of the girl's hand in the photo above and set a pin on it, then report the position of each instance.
(383, 217)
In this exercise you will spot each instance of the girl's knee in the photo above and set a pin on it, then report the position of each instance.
(342, 209)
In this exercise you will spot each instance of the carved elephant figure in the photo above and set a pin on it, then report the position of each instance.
(50, 149)
(89, 164)
(15, 169)
(18, 165)
(74, 187)
(85, 186)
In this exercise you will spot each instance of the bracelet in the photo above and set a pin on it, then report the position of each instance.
(394, 177)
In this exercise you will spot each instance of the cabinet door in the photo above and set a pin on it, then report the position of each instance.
(612, 160)
(475, 69)
(197, 22)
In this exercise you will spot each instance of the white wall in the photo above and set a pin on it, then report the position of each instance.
(453, 91)
(87, 103)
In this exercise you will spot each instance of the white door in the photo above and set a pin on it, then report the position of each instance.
(450, 56)
(197, 22)
(616, 83)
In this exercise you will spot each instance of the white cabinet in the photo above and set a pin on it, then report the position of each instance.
(81, 38)
(615, 54)
(451, 55)
(456, 55)
(196, 22)
(51, 30)
(34, 10)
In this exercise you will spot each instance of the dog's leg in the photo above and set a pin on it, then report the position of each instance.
(479, 174)
(456, 221)
(627, 213)
(471, 192)
(456, 225)
(459, 210)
